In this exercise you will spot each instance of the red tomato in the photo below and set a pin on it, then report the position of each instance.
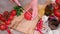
(28, 15)
(0, 15)
(11, 18)
(58, 2)
(13, 12)
(57, 13)
(8, 22)
(3, 19)
(56, 7)
(2, 27)
(6, 13)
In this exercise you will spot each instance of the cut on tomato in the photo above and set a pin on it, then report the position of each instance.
(28, 15)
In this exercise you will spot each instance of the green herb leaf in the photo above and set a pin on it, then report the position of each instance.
(19, 10)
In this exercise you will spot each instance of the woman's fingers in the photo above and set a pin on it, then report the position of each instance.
(35, 9)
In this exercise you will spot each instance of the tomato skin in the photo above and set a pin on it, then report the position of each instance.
(57, 2)
(13, 12)
(2, 27)
(2, 18)
(57, 13)
(11, 18)
(6, 13)
(1, 15)
(8, 22)
(28, 15)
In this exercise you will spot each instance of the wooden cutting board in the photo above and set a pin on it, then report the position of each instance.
(26, 26)
(22, 25)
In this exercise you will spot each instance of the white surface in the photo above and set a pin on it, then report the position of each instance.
(54, 32)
